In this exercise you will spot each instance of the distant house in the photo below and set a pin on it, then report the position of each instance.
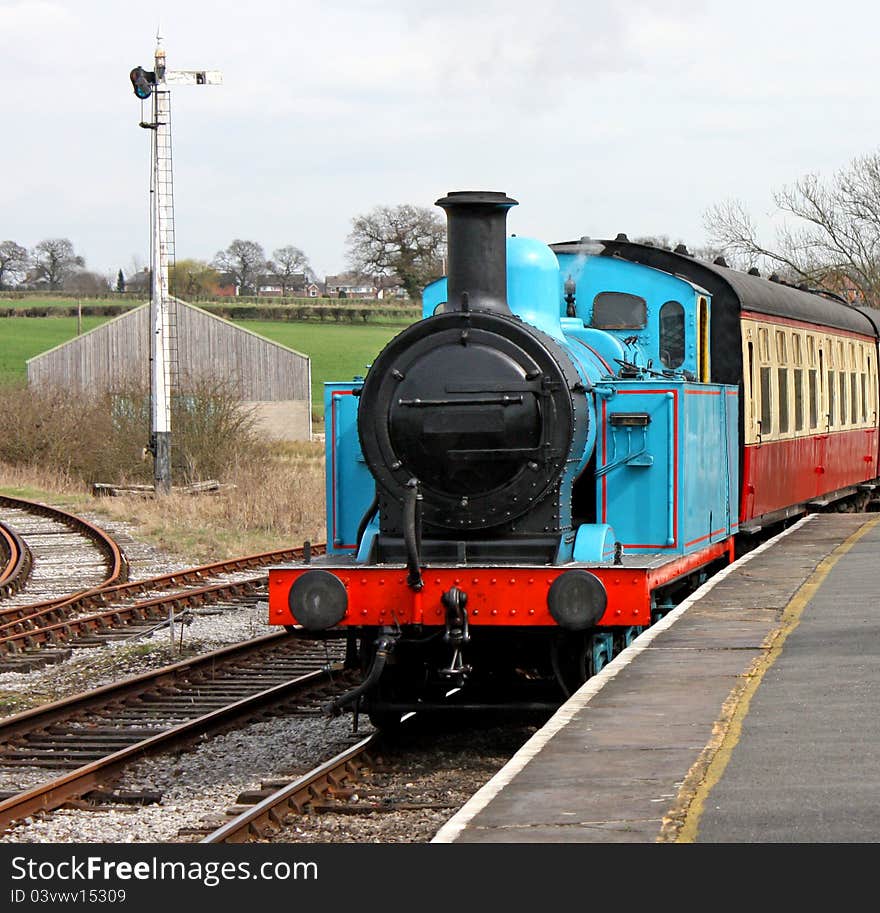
(226, 287)
(350, 285)
(139, 282)
(295, 286)
(839, 283)
(354, 285)
(391, 287)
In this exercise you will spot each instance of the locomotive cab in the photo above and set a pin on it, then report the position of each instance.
(661, 321)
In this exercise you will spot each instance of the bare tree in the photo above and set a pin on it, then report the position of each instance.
(52, 261)
(404, 241)
(287, 263)
(663, 241)
(14, 261)
(243, 262)
(84, 282)
(834, 241)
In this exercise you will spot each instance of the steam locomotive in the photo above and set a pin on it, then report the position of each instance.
(570, 439)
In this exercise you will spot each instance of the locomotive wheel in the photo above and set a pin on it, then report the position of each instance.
(600, 659)
(578, 656)
(571, 657)
(397, 684)
(388, 721)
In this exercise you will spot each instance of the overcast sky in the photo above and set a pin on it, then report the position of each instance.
(596, 117)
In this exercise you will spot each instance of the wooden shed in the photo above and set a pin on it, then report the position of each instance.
(273, 379)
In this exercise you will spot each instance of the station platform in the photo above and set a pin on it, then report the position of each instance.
(746, 715)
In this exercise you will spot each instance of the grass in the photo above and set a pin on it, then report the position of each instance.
(23, 337)
(339, 352)
(279, 503)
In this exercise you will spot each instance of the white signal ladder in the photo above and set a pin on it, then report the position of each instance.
(163, 187)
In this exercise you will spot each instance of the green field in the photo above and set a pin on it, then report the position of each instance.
(337, 351)
(23, 337)
(26, 303)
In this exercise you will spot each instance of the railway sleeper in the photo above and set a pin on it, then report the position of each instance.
(69, 760)
(97, 797)
(184, 708)
(101, 732)
(108, 744)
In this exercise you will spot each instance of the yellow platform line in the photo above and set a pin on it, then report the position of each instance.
(682, 821)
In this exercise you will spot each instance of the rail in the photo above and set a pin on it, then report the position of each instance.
(81, 780)
(19, 561)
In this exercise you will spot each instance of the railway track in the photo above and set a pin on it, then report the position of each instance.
(17, 561)
(87, 740)
(49, 551)
(327, 781)
(96, 610)
(87, 747)
(379, 790)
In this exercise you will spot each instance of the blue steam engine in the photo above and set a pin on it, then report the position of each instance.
(524, 479)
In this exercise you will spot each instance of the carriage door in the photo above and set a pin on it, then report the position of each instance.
(820, 377)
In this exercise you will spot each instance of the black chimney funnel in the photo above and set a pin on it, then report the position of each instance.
(477, 249)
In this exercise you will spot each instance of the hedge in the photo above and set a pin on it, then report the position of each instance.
(349, 313)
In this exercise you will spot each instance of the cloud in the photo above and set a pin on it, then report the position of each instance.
(20, 19)
(597, 116)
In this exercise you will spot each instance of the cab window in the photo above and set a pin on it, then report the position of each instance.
(619, 311)
(672, 334)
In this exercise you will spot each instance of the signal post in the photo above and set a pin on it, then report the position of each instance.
(156, 84)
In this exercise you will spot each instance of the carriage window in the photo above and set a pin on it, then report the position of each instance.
(854, 397)
(843, 397)
(798, 399)
(780, 347)
(830, 398)
(782, 384)
(766, 411)
(672, 334)
(814, 399)
(763, 345)
(619, 311)
(864, 398)
(796, 351)
(811, 351)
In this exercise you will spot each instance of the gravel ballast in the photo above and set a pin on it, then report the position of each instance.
(199, 786)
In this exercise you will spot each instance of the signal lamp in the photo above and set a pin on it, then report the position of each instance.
(142, 82)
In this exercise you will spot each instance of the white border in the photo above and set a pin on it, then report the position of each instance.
(459, 821)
